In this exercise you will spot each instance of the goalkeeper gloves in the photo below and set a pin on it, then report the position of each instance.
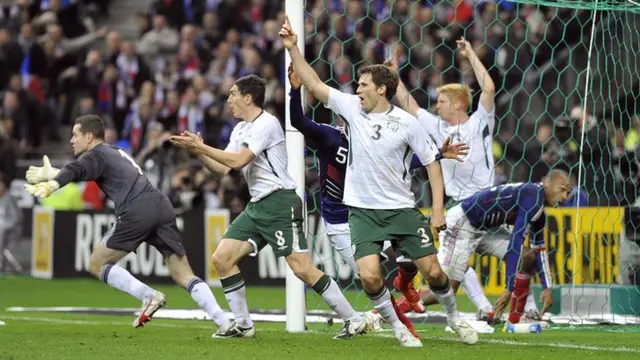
(43, 189)
(46, 172)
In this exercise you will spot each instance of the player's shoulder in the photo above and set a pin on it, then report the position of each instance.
(401, 114)
(335, 94)
(532, 190)
(100, 150)
(482, 113)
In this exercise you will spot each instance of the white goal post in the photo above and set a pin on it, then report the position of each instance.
(295, 293)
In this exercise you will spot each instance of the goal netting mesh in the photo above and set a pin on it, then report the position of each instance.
(546, 71)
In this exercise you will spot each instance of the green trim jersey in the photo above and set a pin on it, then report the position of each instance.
(381, 146)
(268, 171)
(476, 172)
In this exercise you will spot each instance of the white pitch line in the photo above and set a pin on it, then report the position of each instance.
(85, 322)
(542, 344)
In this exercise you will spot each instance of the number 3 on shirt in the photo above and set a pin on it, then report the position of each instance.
(130, 159)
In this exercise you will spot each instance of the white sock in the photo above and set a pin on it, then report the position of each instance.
(447, 299)
(236, 294)
(342, 244)
(531, 303)
(331, 294)
(382, 303)
(201, 293)
(119, 278)
(473, 289)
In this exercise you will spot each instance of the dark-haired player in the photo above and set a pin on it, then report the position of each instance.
(382, 140)
(332, 146)
(274, 214)
(143, 214)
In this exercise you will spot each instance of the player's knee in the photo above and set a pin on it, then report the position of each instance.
(222, 261)
(370, 277)
(301, 265)
(431, 270)
(528, 260)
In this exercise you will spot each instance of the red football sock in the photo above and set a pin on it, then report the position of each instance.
(403, 318)
(519, 297)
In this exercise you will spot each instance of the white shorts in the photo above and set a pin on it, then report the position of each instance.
(461, 240)
(339, 235)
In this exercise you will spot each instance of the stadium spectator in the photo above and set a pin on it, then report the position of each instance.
(187, 54)
(10, 220)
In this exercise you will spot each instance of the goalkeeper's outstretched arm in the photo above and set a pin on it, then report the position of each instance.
(46, 172)
(304, 71)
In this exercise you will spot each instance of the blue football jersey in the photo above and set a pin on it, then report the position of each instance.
(520, 205)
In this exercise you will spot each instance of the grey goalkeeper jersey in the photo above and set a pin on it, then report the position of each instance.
(113, 169)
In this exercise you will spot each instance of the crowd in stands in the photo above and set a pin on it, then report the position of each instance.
(55, 64)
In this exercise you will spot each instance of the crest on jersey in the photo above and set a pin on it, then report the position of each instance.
(393, 125)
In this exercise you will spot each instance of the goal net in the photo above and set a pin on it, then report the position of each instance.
(550, 61)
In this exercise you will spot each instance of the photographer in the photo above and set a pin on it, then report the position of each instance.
(158, 158)
(599, 180)
(184, 193)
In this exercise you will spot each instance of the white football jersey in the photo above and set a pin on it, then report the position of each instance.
(381, 146)
(268, 171)
(476, 173)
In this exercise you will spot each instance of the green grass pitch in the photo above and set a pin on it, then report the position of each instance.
(42, 335)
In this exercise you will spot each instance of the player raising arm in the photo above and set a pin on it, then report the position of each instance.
(331, 143)
(382, 140)
(143, 214)
(461, 179)
(274, 214)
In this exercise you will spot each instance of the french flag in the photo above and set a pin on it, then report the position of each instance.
(104, 97)
(31, 82)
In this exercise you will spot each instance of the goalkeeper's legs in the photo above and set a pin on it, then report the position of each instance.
(183, 275)
(102, 265)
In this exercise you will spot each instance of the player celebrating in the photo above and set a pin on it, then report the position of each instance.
(332, 149)
(462, 179)
(143, 214)
(377, 190)
(520, 205)
(274, 214)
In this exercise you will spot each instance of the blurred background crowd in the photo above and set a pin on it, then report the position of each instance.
(170, 68)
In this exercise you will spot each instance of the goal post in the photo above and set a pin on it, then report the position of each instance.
(295, 289)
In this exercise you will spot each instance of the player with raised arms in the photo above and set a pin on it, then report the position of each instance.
(143, 214)
(274, 214)
(461, 179)
(382, 140)
(332, 145)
